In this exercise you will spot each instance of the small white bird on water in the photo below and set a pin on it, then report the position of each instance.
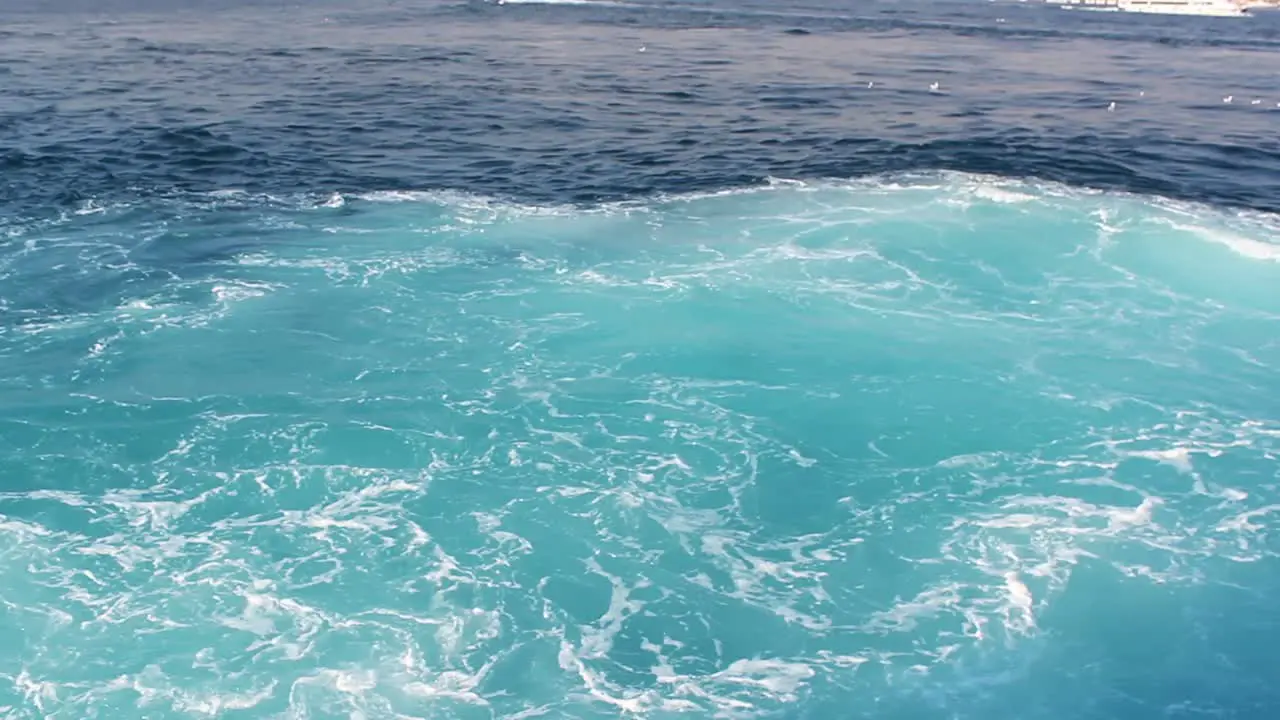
(1256, 102)
(643, 48)
(1228, 99)
(871, 83)
(933, 87)
(1112, 106)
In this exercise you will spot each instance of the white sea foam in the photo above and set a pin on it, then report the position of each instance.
(599, 3)
(1002, 195)
(236, 291)
(1253, 248)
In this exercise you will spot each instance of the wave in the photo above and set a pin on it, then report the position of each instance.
(1246, 232)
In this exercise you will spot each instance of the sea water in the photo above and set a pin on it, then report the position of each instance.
(927, 443)
(943, 444)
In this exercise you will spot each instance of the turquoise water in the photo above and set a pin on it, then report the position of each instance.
(935, 445)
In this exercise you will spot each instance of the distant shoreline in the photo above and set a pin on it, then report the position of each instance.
(1212, 8)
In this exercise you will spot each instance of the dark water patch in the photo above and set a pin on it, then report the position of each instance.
(544, 102)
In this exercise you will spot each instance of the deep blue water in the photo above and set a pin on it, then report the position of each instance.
(656, 359)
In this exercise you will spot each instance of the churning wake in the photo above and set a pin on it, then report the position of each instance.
(885, 448)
